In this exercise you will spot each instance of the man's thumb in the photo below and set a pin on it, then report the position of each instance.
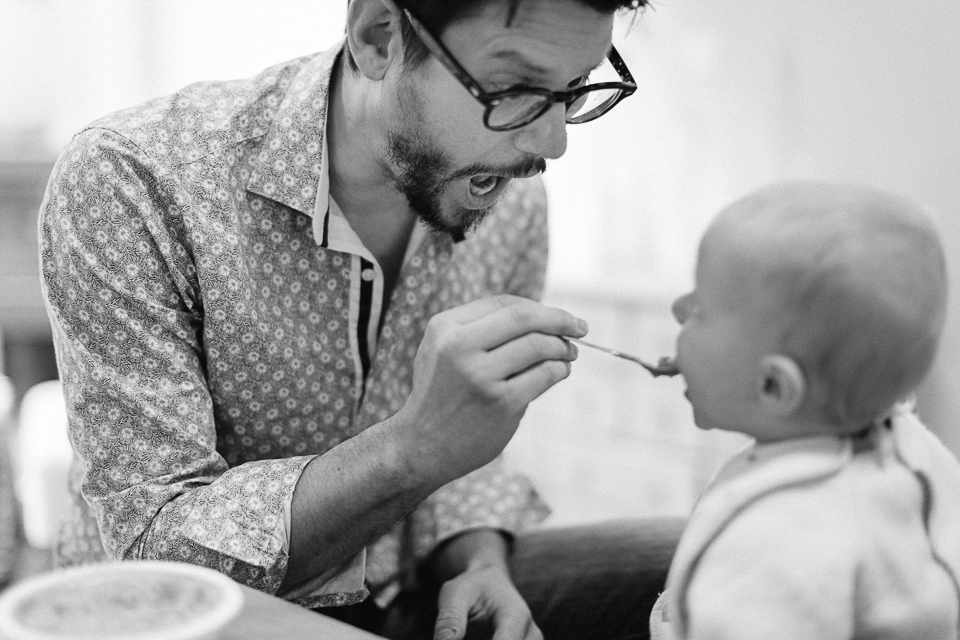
(451, 624)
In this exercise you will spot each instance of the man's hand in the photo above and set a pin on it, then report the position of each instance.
(478, 590)
(477, 369)
(488, 598)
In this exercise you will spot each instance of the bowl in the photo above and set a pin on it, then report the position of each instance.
(133, 600)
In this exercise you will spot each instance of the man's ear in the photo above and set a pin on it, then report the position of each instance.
(783, 387)
(373, 35)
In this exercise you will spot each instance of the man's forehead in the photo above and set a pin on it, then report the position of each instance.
(542, 35)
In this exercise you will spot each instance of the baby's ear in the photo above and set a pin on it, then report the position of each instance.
(783, 387)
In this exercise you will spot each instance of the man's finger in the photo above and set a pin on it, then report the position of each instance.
(453, 612)
(450, 626)
(516, 628)
(510, 322)
(533, 632)
(527, 386)
(475, 309)
(520, 354)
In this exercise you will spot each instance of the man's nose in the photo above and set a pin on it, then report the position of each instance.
(546, 136)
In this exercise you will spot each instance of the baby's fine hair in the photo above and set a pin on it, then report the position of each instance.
(859, 278)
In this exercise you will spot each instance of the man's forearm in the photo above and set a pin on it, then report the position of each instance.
(475, 549)
(349, 497)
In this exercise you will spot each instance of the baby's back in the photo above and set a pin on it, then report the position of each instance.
(826, 540)
(903, 590)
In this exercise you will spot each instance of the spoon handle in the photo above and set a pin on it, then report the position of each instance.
(655, 370)
(613, 352)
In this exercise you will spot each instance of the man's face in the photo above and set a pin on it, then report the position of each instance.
(440, 156)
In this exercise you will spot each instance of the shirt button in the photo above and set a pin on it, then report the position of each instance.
(367, 274)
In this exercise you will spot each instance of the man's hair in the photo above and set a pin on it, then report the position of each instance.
(859, 285)
(436, 15)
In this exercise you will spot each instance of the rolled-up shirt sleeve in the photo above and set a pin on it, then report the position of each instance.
(127, 317)
(491, 497)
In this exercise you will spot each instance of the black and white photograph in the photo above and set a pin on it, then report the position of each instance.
(479, 320)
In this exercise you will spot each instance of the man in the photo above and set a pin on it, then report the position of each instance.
(294, 327)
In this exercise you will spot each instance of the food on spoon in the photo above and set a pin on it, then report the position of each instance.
(666, 366)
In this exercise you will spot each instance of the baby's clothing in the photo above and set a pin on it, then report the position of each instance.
(823, 538)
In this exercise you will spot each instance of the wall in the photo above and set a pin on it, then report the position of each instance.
(732, 95)
(880, 102)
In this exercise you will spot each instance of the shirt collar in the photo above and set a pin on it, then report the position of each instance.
(290, 166)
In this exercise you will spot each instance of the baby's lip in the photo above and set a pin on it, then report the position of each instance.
(666, 366)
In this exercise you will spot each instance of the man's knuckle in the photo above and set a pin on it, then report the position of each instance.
(522, 314)
(555, 371)
(449, 339)
(508, 402)
(493, 394)
(527, 346)
(555, 348)
(505, 299)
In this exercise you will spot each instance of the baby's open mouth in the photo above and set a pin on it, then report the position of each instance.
(666, 366)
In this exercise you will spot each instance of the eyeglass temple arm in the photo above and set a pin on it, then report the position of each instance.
(621, 67)
(450, 63)
(446, 60)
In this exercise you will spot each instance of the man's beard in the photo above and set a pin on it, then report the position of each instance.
(425, 173)
(422, 181)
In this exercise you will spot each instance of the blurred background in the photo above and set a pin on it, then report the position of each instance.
(733, 95)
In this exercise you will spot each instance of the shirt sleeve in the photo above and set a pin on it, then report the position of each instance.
(127, 315)
(491, 497)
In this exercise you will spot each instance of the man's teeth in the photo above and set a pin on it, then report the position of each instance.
(482, 185)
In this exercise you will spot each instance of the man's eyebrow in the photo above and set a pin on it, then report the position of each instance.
(514, 57)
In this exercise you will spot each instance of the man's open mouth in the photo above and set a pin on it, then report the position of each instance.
(484, 184)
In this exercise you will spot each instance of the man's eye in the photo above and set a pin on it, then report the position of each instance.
(497, 87)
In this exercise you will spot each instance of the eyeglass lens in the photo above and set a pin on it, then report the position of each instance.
(595, 102)
(522, 108)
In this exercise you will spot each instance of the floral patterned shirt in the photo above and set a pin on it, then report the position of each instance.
(218, 325)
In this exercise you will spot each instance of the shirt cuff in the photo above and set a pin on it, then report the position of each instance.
(337, 586)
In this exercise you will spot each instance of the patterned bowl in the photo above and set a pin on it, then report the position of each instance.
(130, 600)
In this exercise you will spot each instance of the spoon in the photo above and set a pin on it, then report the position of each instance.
(665, 367)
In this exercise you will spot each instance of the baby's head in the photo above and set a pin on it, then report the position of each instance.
(816, 308)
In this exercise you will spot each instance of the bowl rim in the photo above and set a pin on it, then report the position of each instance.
(224, 611)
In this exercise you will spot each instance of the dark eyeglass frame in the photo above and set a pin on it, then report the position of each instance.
(626, 87)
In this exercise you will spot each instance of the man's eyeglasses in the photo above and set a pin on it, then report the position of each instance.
(520, 105)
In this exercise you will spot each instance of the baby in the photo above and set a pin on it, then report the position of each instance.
(816, 312)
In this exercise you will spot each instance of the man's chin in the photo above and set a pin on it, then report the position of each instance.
(458, 217)
(458, 224)
(456, 210)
